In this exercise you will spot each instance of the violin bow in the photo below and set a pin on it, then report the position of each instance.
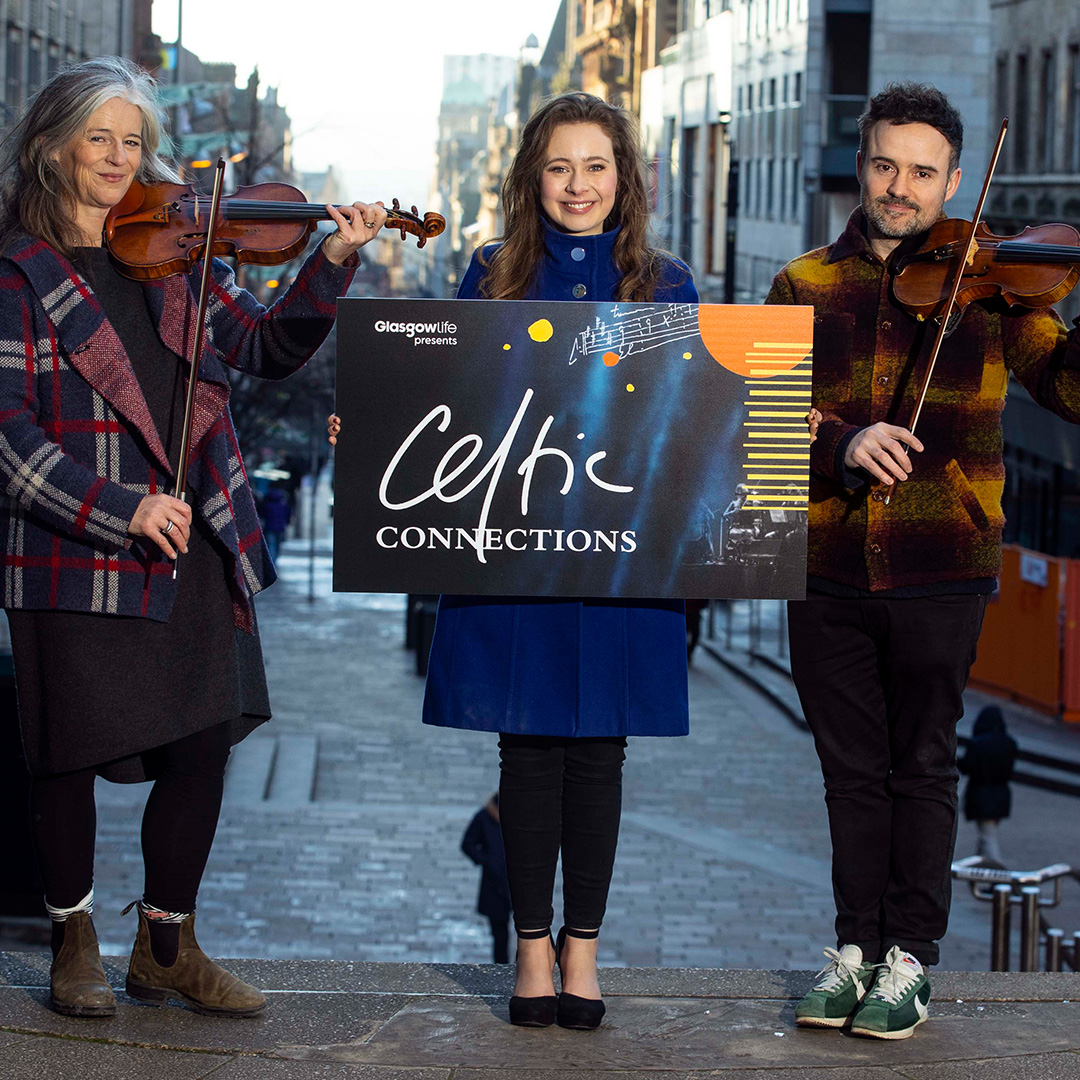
(180, 490)
(965, 257)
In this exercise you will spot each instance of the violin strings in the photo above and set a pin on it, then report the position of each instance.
(1025, 252)
(257, 209)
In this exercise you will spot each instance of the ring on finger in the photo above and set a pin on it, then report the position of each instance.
(167, 529)
(370, 224)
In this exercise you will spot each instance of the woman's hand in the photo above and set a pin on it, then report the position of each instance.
(333, 428)
(165, 520)
(357, 225)
(813, 422)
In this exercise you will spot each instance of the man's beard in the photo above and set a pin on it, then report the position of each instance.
(892, 228)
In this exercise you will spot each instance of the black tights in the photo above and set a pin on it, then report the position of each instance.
(178, 825)
(560, 793)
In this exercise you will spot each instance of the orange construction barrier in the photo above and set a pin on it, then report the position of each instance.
(1026, 652)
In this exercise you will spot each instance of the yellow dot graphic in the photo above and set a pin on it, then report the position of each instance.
(630, 388)
(687, 356)
(506, 347)
(541, 330)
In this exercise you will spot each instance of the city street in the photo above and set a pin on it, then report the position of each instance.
(343, 818)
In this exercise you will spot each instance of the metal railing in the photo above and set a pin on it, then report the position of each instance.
(1006, 889)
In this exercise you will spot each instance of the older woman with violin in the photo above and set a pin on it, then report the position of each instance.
(125, 668)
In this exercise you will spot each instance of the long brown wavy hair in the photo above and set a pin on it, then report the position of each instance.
(36, 194)
(513, 267)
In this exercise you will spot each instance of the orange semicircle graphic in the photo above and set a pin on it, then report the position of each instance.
(757, 341)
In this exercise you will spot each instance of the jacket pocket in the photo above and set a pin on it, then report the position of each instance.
(963, 490)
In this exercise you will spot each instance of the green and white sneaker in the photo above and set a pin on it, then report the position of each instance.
(842, 984)
(898, 1000)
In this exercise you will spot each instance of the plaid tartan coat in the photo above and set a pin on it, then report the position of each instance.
(79, 451)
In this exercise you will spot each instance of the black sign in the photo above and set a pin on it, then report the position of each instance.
(537, 448)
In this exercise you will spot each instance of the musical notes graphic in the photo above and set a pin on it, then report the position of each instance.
(636, 331)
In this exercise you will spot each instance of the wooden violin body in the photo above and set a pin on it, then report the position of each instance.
(160, 229)
(1034, 268)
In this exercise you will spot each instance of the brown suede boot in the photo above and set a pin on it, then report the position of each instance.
(194, 978)
(77, 983)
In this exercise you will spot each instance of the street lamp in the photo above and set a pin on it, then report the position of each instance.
(732, 209)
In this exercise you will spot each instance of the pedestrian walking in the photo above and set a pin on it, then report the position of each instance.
(897, 586)
(542, 672)
(276, 515)
(988, 764)
(483, 843)
(124, 669)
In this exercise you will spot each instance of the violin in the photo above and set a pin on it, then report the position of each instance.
(1034, 268)
(160, 229)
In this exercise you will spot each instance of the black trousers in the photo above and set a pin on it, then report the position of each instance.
(178, 825)
(881, 684)
(560, 794)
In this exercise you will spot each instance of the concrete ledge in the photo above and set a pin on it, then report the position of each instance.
(352, 1020)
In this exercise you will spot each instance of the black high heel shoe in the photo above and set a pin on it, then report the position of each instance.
(581, 1014)
(534, 1011)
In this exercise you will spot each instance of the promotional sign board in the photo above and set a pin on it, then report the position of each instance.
(541, 448)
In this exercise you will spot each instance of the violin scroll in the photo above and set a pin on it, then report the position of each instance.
(426, 228)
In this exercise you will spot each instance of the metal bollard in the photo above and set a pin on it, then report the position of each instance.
(1000, 928)
(1029, 928)
(1054, 942)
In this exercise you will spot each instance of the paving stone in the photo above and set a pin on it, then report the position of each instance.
(65, 1059)
(1034, 1066)
(262, 1068)
(290, 1019)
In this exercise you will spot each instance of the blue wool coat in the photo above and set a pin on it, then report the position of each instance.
(564, 667)
(78, 449)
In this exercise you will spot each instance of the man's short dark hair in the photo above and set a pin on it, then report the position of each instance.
(914, 103)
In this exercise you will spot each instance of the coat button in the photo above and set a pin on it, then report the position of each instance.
(883, 380)
(886, 325)
(579, 291)
(577, 254)
(875, 548)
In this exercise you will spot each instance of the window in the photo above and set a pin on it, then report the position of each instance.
(13, 89)
(1047, 111)
(1072, 128)
(1023, 108)
(33, 69)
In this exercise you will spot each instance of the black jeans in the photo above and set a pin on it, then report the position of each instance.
(880, 683)
(178, 826)
(557, 794)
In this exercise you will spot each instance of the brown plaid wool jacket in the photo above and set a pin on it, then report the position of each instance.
(944, 523)
(78, 449)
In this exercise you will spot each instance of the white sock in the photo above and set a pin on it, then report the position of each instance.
(60, 914)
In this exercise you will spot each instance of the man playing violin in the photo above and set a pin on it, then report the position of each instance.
(904, 547)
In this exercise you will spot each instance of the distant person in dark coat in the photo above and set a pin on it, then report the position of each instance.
(483, 844)
(988, 762)
(276, 513)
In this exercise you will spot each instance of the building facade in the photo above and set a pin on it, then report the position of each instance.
(1036, 84)
(783, 112)
(41, 36)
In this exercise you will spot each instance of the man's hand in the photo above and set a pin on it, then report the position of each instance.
(882, 451)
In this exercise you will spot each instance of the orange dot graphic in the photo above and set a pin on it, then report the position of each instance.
(611, 359)
(506, 348)
(630, 387)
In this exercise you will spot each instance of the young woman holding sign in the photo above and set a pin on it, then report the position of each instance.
(564, 682)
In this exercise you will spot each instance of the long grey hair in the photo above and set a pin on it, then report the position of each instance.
(37, 196)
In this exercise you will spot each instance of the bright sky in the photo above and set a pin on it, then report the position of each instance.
(361, 80)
